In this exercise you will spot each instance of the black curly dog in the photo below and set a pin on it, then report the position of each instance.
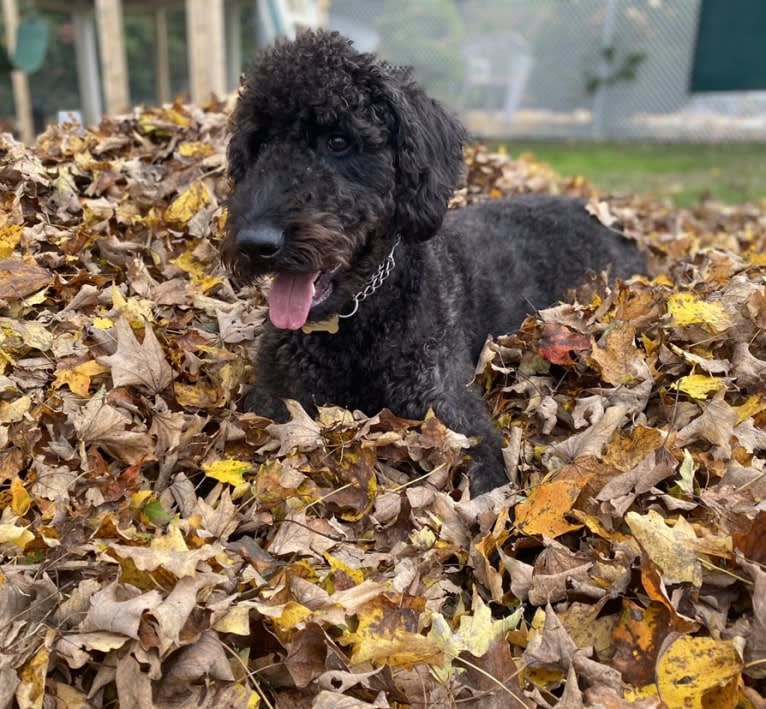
(341, 171)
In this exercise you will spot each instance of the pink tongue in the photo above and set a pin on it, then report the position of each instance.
(290, 299)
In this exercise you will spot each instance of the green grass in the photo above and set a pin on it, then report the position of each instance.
(731, 173)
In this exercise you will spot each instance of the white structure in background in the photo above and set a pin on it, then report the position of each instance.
(497, 70)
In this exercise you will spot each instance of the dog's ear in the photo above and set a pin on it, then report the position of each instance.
(428, 145)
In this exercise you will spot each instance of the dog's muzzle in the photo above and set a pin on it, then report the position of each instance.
(263, 241)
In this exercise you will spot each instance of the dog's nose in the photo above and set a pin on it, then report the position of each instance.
(260, 241)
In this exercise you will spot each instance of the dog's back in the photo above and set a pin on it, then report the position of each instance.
(521, 254)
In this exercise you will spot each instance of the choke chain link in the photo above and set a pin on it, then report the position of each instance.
(383, 272)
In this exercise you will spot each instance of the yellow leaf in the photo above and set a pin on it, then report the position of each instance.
(103, 323)
(199, 272)
(137, 310)
(200, 395)
(172, 541)
(13, 534)
(292, 614)
(118, 299)
(10, 235)
(78, 378)
(670, 548)
(235, 621)
(699, 386)
(385, 634)
(31, 690)
(13, 411)
(634, 694)
(692, 671)
(137, 499)
(159, 120)
(476, 633)
(754, 404)
(188, 203)
(686, 309)
(356, 575)
(20, 499)
(229, 471)
(195, 149)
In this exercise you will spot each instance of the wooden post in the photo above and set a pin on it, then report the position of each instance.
(114, 62)
(21, 95)
(207, 57)
(162, 55)
(88, 73)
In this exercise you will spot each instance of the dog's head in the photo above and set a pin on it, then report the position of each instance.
(332, 155)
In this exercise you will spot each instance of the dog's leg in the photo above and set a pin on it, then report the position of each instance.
(439, 382)
(277, 377)
(466, 412)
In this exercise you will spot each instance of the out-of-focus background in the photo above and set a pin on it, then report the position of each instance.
(667, 96)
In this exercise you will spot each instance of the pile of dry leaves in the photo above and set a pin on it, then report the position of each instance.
(161, 549)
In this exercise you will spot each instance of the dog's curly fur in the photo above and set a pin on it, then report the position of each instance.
(412, 345)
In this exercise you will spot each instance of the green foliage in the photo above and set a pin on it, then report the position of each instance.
(428, 35)
(617, 69)
(731, 173)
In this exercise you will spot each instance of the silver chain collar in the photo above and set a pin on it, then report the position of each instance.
(383, 272)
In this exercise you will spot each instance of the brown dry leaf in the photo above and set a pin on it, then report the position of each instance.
(138, 364)
(592, 440)
(755, 649)
(169, 617)
(551, 647)
(618, 360)
(601, 211)
(655, 467)
(715, 425)
(134, 686)
(179, 562)
(18, 279)
(300, 433)
(750, 542)
(119, 609)
(103, 425)
(205, 658)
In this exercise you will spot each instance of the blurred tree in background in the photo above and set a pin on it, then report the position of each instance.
(428, 35)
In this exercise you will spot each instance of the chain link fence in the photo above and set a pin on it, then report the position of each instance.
(557, 69)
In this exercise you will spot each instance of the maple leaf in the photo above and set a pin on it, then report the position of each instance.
(301, 432)
(100, 423)
(138, 364)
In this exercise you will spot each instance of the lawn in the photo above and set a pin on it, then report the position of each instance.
(732, 173)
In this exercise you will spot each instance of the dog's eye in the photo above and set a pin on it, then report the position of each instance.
(338, 143)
